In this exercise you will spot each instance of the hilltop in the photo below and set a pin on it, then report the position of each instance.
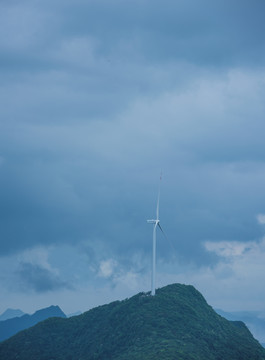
(177, 323)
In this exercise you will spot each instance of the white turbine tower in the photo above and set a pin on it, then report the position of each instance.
(156, 223)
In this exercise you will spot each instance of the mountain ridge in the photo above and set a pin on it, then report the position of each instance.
(175, 323)
(11, 326)
(254, 320)
(11, 313)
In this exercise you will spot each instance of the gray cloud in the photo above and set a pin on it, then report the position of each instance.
(205, 33)
(39, 279)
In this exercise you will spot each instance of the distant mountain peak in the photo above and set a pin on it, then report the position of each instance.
(53, 309)
(13, 325)
(11, 313)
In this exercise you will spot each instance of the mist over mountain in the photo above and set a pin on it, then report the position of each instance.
(10, 327)
(74, 314)
(176, 323)
(11, 313)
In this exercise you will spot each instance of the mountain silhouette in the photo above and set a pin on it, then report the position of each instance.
(11, 313)
(255, 321)
(12, 326)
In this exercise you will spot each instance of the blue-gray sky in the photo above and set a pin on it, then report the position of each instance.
(96, 97)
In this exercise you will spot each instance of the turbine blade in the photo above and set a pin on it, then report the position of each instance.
(157, 206)
(158, 198)
(168, 239)
(161, 229)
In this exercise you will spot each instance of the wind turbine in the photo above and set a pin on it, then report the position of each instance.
(156, 223)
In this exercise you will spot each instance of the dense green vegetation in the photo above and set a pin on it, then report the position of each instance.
(175, 324)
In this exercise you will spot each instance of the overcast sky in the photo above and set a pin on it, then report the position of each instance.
(96, 98)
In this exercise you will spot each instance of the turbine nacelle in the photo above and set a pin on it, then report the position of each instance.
(153, 221)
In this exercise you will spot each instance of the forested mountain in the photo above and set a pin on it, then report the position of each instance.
(255, 321)
(12, 326)
(176, 323)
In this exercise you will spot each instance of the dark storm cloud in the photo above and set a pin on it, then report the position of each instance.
(204, 32)
(36, 278)
(91, 59)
